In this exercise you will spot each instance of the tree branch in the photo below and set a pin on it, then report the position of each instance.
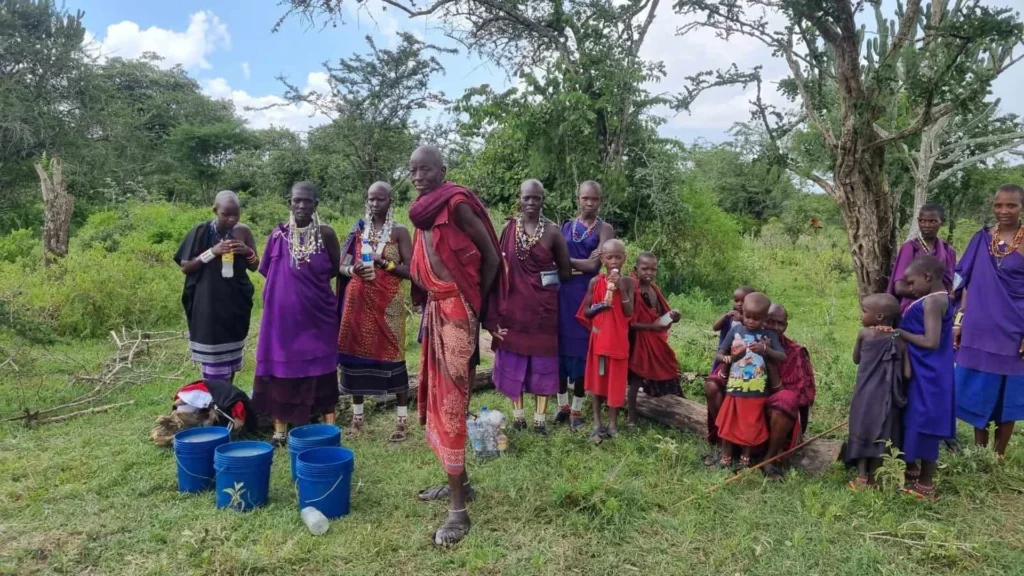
(945, 174)
(926, 117)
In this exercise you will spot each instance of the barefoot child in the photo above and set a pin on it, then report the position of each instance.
(652, 363)
(605, 311)
(927, 328)
(882, 368)
(745, 351)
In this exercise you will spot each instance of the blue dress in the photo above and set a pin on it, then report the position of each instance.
(931, 395)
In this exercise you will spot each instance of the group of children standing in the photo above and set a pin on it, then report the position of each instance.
(904, 397)
(628, 319)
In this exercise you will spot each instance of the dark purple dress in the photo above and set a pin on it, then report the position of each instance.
(912, 249)
(573, 338)
(296, 354)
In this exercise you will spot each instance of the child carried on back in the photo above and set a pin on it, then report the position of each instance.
(883, 368)
(745, 351)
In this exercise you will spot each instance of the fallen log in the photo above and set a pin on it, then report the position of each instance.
(693, 417)
(678, 413)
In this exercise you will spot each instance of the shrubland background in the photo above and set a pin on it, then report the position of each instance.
(145, 151)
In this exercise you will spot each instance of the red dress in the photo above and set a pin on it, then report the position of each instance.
(609, 340)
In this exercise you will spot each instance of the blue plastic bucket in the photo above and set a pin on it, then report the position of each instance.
(193, 454)
(325, 480)
(311, 436)
(243, 474)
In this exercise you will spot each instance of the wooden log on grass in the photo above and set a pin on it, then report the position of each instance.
(693, 417)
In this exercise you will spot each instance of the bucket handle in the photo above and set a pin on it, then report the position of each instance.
(182, 466)
(340, 478)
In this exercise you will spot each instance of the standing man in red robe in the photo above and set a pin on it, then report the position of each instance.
(536, 262)
(455, 261)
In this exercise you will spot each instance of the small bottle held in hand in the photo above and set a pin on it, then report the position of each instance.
(609, 291)
(366, 256)
(227, 264)
(315, 521)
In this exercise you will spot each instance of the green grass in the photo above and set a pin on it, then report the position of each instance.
(94, 496)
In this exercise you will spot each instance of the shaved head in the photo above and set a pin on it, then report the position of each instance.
(927, 264)
(756, 303)
(884, 305)
(427, 156)
(613, 246)
(778, 312)
(532, 184)
(226, 196)
(590, 185)
(379, 187)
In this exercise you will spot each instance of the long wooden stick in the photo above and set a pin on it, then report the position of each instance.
(84, 412)
(763, 463)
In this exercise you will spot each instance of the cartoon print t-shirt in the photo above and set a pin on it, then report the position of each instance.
(748, 376)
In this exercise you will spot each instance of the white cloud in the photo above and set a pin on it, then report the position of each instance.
(297, 117)
(245, 70)
(206, 33)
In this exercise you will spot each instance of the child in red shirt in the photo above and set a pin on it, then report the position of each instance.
(608, 321)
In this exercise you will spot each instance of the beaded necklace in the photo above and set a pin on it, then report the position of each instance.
(924, 246)
(380, 238)
(217, 235)
(588, 230)
(999, 249)
(304, 242)
(524, 241)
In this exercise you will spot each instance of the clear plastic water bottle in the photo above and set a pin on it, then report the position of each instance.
(475, 438)
(366, 256)
(315, 521)
(227, 265)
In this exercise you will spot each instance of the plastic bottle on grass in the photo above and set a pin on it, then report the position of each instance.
(315, 521)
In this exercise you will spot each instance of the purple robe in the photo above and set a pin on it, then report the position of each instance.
(573, 338)
(912, 249)
(993, 325)
(299, 329)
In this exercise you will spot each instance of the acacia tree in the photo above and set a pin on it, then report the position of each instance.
(588, 47)
(371, 101)
(848, 84)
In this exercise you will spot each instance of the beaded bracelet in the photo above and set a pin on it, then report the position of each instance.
(207, 257)
(251, 258)
(958, 320)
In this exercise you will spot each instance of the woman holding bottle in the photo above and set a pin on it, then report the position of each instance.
(216, 257)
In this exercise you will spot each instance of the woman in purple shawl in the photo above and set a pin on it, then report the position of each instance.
(990, 333)
(583, 235)
(929, 220)
(296, 357)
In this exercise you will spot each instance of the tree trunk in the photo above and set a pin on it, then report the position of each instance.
(860, 185)
(57, 208)
(931, 138)
(867, 208)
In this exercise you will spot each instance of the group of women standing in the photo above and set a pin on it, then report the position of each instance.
(308, 330)
(987, 285)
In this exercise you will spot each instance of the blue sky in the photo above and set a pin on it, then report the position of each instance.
(229, 48)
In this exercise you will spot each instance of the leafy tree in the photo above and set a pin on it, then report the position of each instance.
(850, 87)
(751, 188)
(371, 101)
